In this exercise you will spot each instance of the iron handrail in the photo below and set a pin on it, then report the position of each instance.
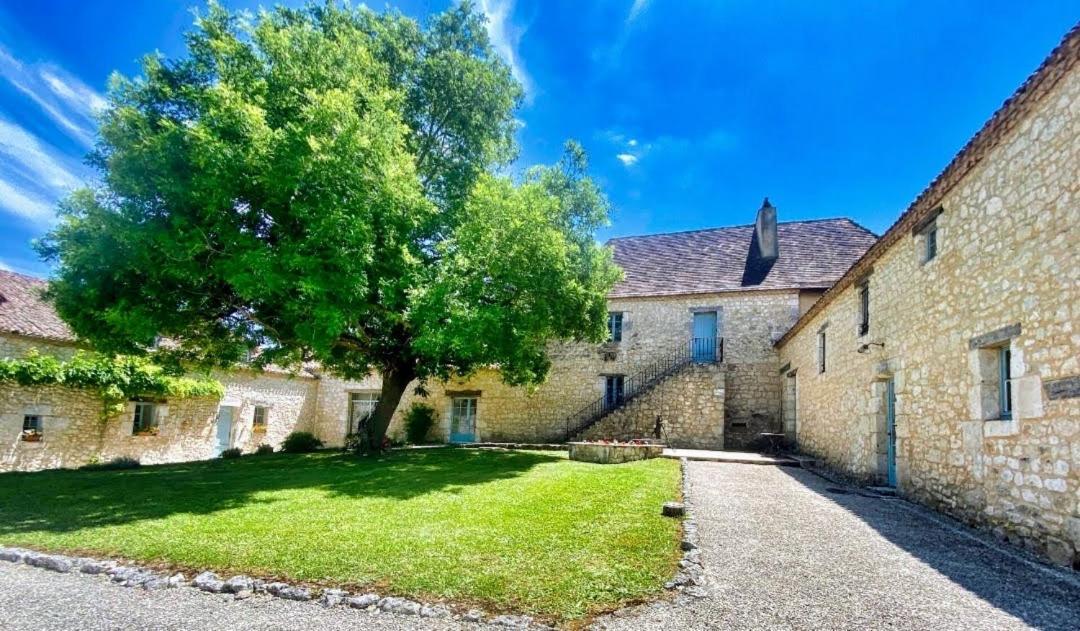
(702, 350)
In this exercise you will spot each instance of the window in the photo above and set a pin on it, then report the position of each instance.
(361, 407)
(258, 421)
(31, 427)
(613, 390)
(864, 308)
(930, 245)
(146, 418)
(1005, 382)
(614, 326)
(821, 351)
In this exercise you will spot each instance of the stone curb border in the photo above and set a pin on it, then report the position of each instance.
(689, 579)
(242, 587)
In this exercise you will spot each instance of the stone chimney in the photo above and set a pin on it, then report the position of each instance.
(765, 232)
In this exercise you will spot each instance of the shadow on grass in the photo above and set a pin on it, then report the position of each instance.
(1026, 591)
(68, 500)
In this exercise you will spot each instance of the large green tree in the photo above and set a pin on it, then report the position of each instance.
(326, 184)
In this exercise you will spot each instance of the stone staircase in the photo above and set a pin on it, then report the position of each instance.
(694, 352)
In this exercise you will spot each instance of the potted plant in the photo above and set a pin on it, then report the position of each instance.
(31, 436)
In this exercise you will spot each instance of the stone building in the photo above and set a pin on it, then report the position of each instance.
(946, 361)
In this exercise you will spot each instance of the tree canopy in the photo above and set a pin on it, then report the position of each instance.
(328, 184)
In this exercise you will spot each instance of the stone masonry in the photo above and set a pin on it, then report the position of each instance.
(1006, 276)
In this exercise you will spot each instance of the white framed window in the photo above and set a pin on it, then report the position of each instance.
(145, 419)
(361, 407)
(615, 326)
(259, 418)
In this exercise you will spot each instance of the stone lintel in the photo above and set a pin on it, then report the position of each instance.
(994, 337)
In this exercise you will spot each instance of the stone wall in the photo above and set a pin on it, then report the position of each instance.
(75, 432)
(749, 323)
(689, 402)
(1007, 274)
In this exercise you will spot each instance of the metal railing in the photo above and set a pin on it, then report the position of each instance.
(704, 350)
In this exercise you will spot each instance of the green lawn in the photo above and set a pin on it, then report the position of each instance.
(519, 530)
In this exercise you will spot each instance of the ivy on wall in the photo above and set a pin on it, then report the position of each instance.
(115, 379)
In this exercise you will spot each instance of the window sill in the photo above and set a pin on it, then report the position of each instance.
(258, 430)
(1000, 427)
(144, 434)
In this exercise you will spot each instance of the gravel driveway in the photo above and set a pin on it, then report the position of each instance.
(783, 552)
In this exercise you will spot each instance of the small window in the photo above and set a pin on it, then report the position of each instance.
(361, 408)
(864, 308)
(146, 418)
(614, 326)
(613, 390)
(258, 421)
(821, 351)
(1005, 382)
(31, 427)
(930, 242)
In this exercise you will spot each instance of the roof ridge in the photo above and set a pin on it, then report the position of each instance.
(28, 277)
(732, 227)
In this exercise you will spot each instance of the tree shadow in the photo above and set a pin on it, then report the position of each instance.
(1027, 591)
(68, 500)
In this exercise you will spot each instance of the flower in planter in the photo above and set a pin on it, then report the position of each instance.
(31, 436)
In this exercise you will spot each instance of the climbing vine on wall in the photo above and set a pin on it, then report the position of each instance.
(115, 379)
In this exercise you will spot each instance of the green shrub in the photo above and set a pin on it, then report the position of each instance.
(123, 462)
(418, 422)
(231, 453)
(263, 450)
(300, 443)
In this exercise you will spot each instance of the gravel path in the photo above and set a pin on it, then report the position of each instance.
(33, 598)
(782, 552)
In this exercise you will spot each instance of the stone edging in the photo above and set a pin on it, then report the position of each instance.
(242, 587)
(689, 580)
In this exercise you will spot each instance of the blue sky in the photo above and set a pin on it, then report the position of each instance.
(692, 110)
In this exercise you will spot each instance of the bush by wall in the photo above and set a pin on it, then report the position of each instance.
(418, 422)
(300, 442)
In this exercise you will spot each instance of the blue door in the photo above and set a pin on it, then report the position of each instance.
(890, 429)
(224, 429)
(463, 420)
(703, 344)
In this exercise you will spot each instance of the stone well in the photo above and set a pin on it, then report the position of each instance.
(612, 453)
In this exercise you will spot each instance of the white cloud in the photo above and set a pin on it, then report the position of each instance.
(28, 206)
(632, 142)
(505, 38)
(66, 100)
(28, 155)
(4, 266)
(637, 9)
(628, 159)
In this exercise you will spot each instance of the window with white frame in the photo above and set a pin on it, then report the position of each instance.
(361, 408)
(145, 419)
(258, 420)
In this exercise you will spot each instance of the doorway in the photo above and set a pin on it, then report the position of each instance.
(463, 420)
(703, 343)
(890, 432)
(224, 428)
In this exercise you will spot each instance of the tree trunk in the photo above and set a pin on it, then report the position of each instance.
(395, 379)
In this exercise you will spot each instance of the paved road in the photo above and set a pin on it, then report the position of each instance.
(783, 552)
(780, 552)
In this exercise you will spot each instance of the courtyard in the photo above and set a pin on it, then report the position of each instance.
(522, 531)
(783, 548)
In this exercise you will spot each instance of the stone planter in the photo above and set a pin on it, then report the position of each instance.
(613, 453)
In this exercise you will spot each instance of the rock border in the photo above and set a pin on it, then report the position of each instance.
(689, 580)
(241, 587)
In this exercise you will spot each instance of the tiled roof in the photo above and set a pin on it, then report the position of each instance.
(1060, 62)
(813, 254)
(23, 311)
